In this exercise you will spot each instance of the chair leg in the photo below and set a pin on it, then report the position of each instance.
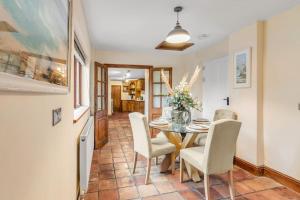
(206, 187)
(148, 171)
(231, 185)
(156, 160)
(134, 161)
(181, 169)
(173, 158)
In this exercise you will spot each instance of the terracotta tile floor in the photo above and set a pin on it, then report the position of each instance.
(112, 178)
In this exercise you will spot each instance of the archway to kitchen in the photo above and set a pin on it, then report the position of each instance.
(128, 88)
(149, 99)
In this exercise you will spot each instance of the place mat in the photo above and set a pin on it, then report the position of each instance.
(201, 120)
(198, 127)
(195, 130)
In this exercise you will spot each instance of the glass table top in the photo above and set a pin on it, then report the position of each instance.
(177, 129)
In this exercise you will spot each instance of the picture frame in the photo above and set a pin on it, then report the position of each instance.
(35, 54)
(125, 88)
(242, 68)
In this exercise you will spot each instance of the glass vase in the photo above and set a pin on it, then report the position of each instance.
(180, 119)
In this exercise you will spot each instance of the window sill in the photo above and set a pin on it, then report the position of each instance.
(79, 112)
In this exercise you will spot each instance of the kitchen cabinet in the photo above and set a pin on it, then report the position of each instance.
(133, 106)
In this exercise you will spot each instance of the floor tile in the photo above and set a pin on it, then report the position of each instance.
(90, 196)
(147, 190)
(164, 187)
(172, 196)
(106, 167)
(109, 195)
(93, 187)
(260, 183)
(128, 193)
(107, 184)
(191, 195)
(108, 174)
(122, 173)
(125, 182)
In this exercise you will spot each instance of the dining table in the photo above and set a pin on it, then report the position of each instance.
(181, 137)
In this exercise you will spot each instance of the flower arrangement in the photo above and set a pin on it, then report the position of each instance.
(180, 97)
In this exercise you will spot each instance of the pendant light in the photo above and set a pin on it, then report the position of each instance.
(178, 34)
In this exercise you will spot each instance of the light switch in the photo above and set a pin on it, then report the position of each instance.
(298, 106)
(56, 116)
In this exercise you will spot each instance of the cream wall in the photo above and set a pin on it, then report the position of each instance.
(246, 102)
(39, 161)
(282, 92)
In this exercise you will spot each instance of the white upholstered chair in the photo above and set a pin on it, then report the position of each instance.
(161, 137)
(166, 114)
(224, 114)
(143, 145)
(219, 114)
(216, 156)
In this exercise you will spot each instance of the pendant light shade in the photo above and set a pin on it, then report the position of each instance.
(178, 34)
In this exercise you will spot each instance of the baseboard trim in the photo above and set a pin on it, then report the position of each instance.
(284, 179)
(253, 169)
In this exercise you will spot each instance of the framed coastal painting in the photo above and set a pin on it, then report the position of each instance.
(242, 69)
(35, 45)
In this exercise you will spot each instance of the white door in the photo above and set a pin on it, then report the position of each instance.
(215, 86)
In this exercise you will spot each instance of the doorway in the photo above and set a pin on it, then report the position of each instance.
(151, 103)
(215, 86)
(127, 91)
(116, 98)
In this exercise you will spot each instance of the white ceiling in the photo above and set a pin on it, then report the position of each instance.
(118, 73)
(139, 25)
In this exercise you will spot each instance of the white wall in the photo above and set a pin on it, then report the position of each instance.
(282, 93)
(39, 161)
(246, 102)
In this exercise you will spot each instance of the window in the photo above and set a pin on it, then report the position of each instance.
(77, 83)
(81, 82)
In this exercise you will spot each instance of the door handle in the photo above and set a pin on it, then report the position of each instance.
(227, 100)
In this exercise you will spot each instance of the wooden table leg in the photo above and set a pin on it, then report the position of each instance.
(175, 139)
(165, 164)
(188, 141)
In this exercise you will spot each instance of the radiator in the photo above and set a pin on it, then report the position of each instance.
(86, 148)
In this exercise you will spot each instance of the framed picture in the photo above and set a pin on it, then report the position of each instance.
(35, 46)
(125, 88)
(242, 69)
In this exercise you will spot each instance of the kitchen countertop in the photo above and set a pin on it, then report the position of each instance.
(131, 100)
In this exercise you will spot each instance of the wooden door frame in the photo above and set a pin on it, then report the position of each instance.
(134, 66)
(120, 97)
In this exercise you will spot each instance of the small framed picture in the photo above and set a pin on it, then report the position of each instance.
(125, 88)
(242, 69)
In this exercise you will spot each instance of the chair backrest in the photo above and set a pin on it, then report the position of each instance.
(224, 114)
(141, 134)
(166, 112)
(220, 146)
